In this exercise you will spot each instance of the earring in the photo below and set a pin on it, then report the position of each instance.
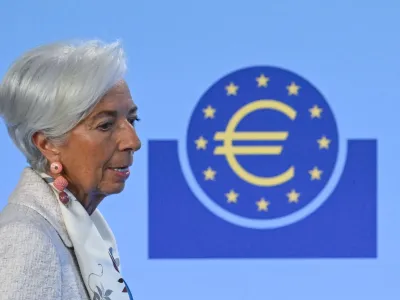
(60, 183)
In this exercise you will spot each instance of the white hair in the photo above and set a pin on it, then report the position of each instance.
(51, 88)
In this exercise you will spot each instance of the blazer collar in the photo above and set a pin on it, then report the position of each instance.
(32, 191)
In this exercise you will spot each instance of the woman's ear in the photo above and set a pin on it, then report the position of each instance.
(46, 147)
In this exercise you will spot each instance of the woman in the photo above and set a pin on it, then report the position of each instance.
(70, 112)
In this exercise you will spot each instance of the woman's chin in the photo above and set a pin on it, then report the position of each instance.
(111, 188)
(117, 188)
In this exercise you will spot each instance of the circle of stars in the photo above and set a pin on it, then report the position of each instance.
(315, 113)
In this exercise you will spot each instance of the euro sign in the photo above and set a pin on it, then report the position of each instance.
(230, 135)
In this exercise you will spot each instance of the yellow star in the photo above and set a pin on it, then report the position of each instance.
(232, 196)
(262, 205)
(315, 112)
(201, 143)
(262, 81)
(209, 112)
(315, 173)
(293, 196)
(209, 174)
(231, 89)
(324, 143)
(293, 89)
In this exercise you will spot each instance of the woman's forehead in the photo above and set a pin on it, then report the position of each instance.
(117, 105)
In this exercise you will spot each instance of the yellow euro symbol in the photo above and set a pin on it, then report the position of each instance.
(231, 151)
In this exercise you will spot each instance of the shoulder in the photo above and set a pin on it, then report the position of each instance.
(24, 230)
(29, 260)
(24, 234)
(19, 233)
(20, 222)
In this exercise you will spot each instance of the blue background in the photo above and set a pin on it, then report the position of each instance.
(348, 49)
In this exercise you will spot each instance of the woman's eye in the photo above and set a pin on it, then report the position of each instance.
(105, 126)
(133, 120)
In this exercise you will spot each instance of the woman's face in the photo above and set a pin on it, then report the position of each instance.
(99, 151)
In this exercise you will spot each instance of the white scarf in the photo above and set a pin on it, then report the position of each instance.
(95, 249)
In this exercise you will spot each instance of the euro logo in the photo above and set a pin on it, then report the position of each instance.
(262, 171)
(230, 135)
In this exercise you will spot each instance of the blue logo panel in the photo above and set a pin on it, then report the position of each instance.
(262, 173)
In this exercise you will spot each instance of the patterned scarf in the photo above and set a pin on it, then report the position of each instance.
(95, 249)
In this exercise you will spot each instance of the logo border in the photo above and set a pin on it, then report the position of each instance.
(270, 223)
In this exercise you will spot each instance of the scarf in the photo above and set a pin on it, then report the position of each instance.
(95, 249)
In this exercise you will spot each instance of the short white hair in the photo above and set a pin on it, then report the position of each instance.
(51, 88)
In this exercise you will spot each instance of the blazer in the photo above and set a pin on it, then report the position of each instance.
(37, 260)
